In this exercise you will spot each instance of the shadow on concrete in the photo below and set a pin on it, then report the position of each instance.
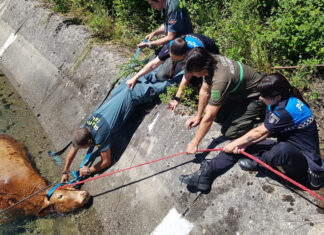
(202, 156)
(142, 179)
(121, 139)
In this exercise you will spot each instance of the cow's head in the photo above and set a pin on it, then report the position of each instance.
(64, 200)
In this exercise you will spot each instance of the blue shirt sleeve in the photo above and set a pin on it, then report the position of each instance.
(164, 53)
(277, 120)
(287, 116)
(175, 23)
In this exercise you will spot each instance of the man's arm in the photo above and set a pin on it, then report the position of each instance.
(157, 32)
(205, 124)
(146, 69)
(71, 155)
(204, 94)
(253, 136)
(161, 41)
(104, 163)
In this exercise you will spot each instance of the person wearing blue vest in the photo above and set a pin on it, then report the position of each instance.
(177, 50)
(177, 22)
(290, 120)
(109, 118)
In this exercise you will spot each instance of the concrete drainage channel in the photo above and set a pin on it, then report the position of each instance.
(17, 120)
(57, 70)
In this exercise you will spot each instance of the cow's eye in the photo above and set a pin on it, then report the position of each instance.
(60, 196)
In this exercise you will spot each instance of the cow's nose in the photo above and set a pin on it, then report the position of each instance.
(83, 193)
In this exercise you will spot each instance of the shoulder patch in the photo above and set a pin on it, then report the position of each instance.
(172, 21)
(215, 94)
(274, 119)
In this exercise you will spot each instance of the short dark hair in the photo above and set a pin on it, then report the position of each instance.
(81, 137)
(198, 59)
(277, 84)
(179, 46)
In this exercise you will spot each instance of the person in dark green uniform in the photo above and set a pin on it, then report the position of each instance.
(228, 95)
(111, 117)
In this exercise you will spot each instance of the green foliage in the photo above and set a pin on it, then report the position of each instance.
(102, 24)
(189, 96)
(302, 76)
(62, 6)
(260, 33)
(131, 67)
(295, 31)
(315, 97)
(135, 14)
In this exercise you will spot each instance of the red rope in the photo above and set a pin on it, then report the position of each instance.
(142, 164)
(282, 175)
(203, 150)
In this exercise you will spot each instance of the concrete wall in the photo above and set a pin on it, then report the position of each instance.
(62, 77)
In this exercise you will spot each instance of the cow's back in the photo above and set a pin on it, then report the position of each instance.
(18, 179)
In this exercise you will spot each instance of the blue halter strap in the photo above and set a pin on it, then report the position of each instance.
(88, 159)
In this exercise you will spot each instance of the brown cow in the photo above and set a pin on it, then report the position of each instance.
(18, 179)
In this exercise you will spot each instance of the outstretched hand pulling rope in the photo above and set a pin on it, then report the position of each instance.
(203, 150)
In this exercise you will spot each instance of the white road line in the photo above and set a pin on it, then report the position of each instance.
(9, 41)
(173, 224)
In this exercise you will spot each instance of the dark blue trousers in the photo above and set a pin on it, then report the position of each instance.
(281, 154)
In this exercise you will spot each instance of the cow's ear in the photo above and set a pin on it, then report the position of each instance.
(45, 206)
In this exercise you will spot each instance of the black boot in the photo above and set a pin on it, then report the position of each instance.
(247, 164)
(201, 179)
(314, 179)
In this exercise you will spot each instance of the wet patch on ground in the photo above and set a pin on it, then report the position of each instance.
(290, 209)
(288, 198)
(268, 188)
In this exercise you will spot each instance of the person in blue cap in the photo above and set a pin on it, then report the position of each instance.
(109, 118)
(177, 22)
(290, 120)
(175, 51)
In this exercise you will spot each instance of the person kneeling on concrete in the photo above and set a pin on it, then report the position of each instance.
(289, 119)
(110, 117)
(172, 54)
(228, 95)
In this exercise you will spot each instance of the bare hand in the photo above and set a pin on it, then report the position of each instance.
(172, 105)
(131, 83)
(231, 148)
(192, 122)
(83, 171)
(149, 36)
(192, 148)
(143, 45)
(65, 178)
